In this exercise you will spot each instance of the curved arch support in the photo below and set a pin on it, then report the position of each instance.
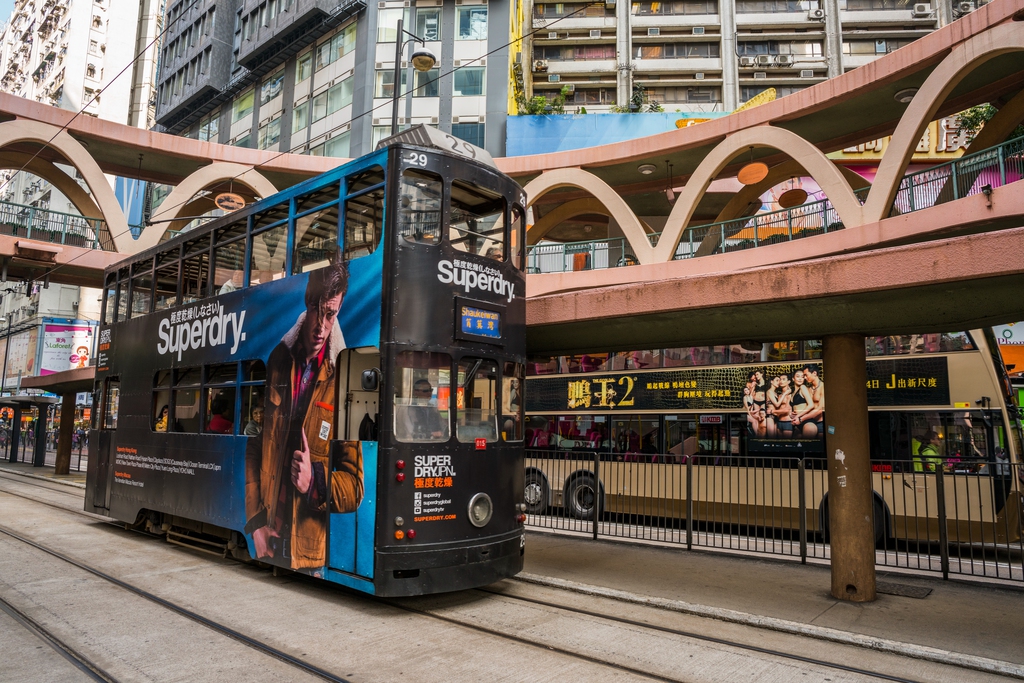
(20, 130)
(52, 174)
(970, 54)
(828, 176)
(564, 212)
(616, 207)
(180, 201)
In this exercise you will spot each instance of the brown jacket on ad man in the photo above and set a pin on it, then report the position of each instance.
(272, 499)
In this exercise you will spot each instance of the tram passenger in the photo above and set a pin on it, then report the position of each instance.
(421, 421)
(928, 458)
(255, 424)
(287, 465)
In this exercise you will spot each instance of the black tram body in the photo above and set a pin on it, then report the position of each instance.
(390, 454)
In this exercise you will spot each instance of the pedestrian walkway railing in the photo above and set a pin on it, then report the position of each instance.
(971, 174)
(961, 518)
(46, 225)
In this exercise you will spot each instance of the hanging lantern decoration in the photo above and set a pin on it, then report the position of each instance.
(791, 198)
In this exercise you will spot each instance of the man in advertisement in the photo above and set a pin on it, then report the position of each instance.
(287, 465)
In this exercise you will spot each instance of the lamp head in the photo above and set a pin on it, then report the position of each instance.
(423, 59)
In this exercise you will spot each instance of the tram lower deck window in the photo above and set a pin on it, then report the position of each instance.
(422, 390)
(477, 416)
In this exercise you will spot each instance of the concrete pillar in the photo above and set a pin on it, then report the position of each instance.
(39, 452)
(730, 62)
(847, 447)
(833, 39)
(15, 439)
(623, 53)
(67, 429)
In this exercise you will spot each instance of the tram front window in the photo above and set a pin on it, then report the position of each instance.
(477, 223)
(422, 388)
(419, 213)
(477, 402)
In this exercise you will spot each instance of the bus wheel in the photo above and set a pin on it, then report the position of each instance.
(536, 494)
(581, 496)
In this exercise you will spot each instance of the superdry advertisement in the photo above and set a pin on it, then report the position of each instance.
(263, 361)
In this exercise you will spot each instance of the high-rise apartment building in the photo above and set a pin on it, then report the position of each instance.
(317, 76)
(712, 55)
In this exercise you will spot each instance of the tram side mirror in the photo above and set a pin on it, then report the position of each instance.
(371, 380)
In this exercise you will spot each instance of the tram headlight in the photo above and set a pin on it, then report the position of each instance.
(480, 510)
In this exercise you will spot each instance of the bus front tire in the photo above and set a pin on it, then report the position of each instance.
(536, 493)
(582, 496)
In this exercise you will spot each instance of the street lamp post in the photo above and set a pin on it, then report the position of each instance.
(422, 60)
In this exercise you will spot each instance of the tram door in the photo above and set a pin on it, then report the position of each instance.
(101, 448)
(357, 424)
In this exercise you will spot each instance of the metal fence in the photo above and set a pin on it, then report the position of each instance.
(57, 227)
(572, 256)
(953, 521)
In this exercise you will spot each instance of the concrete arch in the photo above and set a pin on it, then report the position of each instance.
(181, 200)
(819, 167)
(568, 211)
(115, 224)
(49, 172)
(741, 201)
(965, 57)
(616, 207)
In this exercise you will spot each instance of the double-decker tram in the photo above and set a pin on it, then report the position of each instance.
(736, 435)
(330, 379)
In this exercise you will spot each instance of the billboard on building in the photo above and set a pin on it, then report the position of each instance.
(65, 347)
(21, 354)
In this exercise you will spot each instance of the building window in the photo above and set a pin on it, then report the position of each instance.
(427, 83)
(338, 147)
(332, 100)
(90, 71)
(679, 7)
(469, 81)
(242, 140)
(384, 86)
(387, 24)
(678, 51)
(472, 23)
(270, 133)
(300, 117)
(428, 23)
(330, 51)
(774, 47)
(773, 6)
(271, 87)
(304, 67)
(242, 106)
(209, 127)
(473, 133)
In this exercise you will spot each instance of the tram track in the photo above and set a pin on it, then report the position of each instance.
(212, 625)
(77, 659)
(569, 611)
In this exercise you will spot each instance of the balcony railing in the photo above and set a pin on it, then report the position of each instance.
(969, 175)
(45, 225)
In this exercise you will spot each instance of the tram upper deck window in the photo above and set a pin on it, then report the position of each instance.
(422, 391)
(229, 258)
(364, 213)
(477, 222)
(166, 279)
(419, 211)
(111, 302)
(195, 276)
(316, 239)
(477, 415)
(269, 251)
(142, 287)
(122, 295)
(516, 238)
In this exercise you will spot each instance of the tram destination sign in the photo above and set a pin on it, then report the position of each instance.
(908, 382)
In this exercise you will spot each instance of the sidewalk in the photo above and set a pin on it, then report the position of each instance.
(956, 617)
(76, 479)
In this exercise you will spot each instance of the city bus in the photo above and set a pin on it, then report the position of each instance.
(329, 380)
(620, 433)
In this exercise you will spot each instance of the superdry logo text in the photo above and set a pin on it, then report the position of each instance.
(474, 276)
(200, 326)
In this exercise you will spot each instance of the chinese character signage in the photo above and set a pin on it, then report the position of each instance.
(908, 382)
(481, 323)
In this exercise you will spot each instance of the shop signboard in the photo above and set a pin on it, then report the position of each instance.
(65, 347)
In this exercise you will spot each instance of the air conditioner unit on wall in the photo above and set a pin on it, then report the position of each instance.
(654, 31)
(784, 60)
(760, 75)
(764, 60)
(746, 61)
(595, 33)
(540, 65)
(552, 35)
(966, 7)
(571, 87)
(816, 15)
(699, 76)
(922, 9)
(807, 73)
(554, 78)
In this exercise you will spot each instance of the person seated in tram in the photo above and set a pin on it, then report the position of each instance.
(421, 420)
(221, 421)
(928, 457)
